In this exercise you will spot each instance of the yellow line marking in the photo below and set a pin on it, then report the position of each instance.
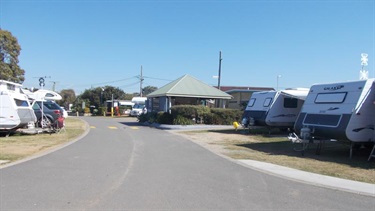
(112, 127)
(92, 127)
(134, 128)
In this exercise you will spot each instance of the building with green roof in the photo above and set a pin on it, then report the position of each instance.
(185, 90)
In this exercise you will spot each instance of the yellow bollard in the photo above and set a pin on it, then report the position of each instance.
(235, 125)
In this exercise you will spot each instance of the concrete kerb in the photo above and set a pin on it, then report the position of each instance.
(188, 127)
(312, 178)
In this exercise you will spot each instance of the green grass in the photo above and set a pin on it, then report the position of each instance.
(275, 148)
(18, 146)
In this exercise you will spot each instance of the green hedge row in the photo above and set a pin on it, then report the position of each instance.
(190, 114)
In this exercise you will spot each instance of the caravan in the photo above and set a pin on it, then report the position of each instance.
(274, 108)
(340, 111)
(15, 109)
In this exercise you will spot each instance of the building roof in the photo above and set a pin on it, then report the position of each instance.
(188, 86)
(231, 89)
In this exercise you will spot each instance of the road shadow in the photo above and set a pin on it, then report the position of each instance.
(133, 124)
(335, 152)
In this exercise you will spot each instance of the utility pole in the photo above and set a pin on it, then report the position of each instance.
(140, 82)
(219, 78)
(218, 82)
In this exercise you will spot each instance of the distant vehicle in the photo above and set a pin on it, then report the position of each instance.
(65, 112)
(274, 108)
(139, 105)
(16, 111)
(137, 110)
(51, 110)
(125, 106)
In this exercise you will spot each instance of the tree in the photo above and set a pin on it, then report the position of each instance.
(148, 89)
(97, 96)
(9, 52)
(68, 97)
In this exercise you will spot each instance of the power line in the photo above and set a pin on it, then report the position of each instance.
(108, 82)
(157, 78)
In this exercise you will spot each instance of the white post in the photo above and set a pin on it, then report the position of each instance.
(277, 82)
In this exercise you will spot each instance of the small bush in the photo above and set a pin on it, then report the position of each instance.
(150, 117)
(186, 111)
(211, 119)
(180, 120)
(164, 118)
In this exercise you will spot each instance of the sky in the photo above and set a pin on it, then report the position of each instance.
(83, 44)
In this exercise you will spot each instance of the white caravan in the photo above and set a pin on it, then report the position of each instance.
(274, 108)
(341, 111)
(15, 109)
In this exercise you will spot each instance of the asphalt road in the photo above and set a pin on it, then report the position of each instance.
(120, 165)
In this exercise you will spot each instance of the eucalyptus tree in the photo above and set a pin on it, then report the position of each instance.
(9, 52)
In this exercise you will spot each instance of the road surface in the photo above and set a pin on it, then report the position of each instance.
(120, 165)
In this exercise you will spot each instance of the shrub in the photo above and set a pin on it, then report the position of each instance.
(186, 111)
(180, 120)
(150, 117)
(226, 116)
(211, 119)
(186, 114)
(190, 111)
(164, 118)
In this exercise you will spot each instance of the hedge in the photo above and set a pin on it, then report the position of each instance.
(193, 114)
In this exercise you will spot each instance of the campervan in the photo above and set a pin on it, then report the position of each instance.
(139, 106)
(15, 109)
(274, 108)
(339, 111)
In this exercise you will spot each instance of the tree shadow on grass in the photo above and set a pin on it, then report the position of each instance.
(335, 152)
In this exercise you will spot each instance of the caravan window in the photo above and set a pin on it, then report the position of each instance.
(267, 102)
(21, 103)
(338, 97)
(290, 103)
(11, 87)
(251, 102)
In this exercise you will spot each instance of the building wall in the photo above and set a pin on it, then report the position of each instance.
(239, 100)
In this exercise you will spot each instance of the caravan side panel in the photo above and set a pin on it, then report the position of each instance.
(361, 125)
(258, 107)
(329, 110)
(9, 118)
(284, 111)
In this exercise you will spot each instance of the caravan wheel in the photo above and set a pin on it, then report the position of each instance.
(47, 122)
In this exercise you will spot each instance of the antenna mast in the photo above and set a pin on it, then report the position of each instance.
(363, 74)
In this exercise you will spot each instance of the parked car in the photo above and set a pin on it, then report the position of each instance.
(65, 112)
(52, 111)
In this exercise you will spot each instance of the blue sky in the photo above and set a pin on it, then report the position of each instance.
(90, 43)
